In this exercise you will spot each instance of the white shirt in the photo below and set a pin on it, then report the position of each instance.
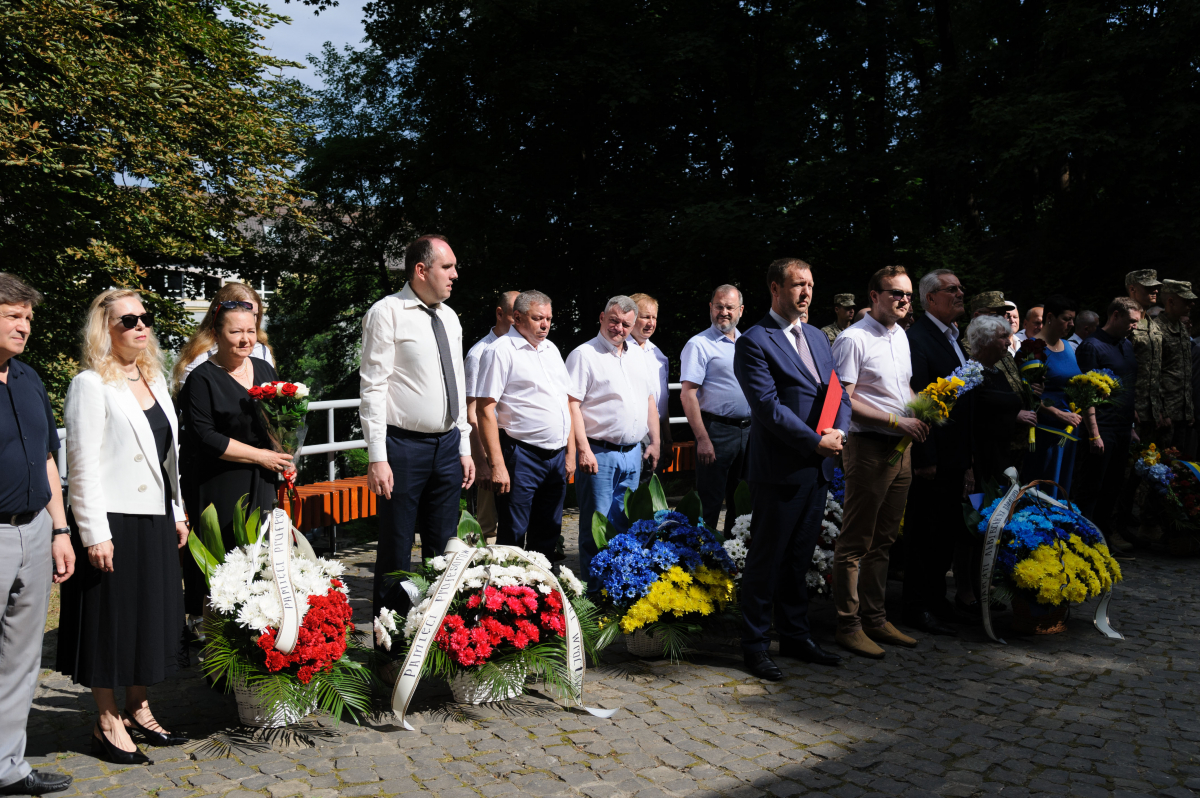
(1074, 340)
(471, 363)
(660, 370)
(530, 389)
(787, 326)
(878, 363)
(259, 351)
(951, 333)
(707, 361)
(400, 376)
(1020, 335)
(613, 392)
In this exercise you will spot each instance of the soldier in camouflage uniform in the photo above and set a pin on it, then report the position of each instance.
(1143, 286)
(843, 308)
(1171, 393)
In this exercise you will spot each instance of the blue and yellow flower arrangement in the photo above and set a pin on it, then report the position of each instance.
(659, 570)
(1051, 554)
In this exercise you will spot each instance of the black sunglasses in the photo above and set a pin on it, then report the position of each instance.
(130, 320)
(897, 294)
(233, 304)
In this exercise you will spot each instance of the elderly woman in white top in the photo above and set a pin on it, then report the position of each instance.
(122, 614)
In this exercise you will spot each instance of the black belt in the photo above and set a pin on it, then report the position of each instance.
(537, 451)
(400, 432)
(878, 436)
(21, 519)
(613, 447)
(740, 423)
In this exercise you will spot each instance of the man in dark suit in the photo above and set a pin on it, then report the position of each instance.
(933, 523)
(783, 366)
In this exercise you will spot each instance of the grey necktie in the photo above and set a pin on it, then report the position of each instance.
(443, 343)
(805, 353)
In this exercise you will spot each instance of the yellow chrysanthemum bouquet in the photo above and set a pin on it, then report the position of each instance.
(1087, 390)
(935, 402)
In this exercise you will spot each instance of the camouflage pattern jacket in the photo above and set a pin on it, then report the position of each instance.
(1147, 348)
(831, 331)
(1172, 390)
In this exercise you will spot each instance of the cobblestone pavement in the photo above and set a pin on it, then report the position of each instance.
(1069, 714)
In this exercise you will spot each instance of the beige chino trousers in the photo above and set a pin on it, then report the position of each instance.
(871, 513)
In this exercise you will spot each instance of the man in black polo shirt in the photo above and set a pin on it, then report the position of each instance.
(34, 540)
(1108, 428)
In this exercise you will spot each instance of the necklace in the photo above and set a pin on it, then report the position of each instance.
(238, 372)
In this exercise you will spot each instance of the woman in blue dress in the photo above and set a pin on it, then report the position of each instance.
(1058, 321)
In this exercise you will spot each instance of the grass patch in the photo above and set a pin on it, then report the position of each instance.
(55, 609)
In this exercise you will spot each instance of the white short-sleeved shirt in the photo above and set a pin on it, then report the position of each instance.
(660, 371)
(613, 392)
(878, 363)
(707, 361)
(471, 362)
(529, 386)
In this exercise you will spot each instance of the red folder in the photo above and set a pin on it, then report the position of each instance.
(833, 400)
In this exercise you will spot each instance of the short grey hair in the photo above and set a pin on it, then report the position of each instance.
(932, 282)
(724, 289)
(623, 302)
(527, 299)
(1087, 317)
(986, 329)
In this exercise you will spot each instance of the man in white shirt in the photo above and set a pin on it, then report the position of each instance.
(716, 408)
(414, 415)
(660, 370)
(1033, 324)
(525, 423)
(875, 365)
(485, 499)
(1014, 319)
(612, 408)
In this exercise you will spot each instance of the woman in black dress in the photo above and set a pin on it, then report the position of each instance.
(225, 452)
(998, 410)
(123, 611)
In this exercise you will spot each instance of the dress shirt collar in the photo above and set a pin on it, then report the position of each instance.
(784, 323)
(409, 298)
(646, 347)
(714, 333)
(521, 342)
(610, 348)
(875, 326)
(943, 327)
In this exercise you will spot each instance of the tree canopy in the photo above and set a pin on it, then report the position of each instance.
(134, 133)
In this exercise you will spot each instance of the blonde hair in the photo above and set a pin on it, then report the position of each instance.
(643, 299)
(97, 341)
(205, 336)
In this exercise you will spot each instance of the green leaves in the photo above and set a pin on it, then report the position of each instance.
(210, 533)
(200, 553)
(469, 530)
(602, 530)
(642, 504)
(691, 506)
(743, 502)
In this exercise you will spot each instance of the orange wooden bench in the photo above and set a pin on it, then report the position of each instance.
(327, 504)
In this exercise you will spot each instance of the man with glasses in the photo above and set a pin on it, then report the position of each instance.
(872, 359)
(35, 543)
(843, 310)
(715, 406)
(941, 464)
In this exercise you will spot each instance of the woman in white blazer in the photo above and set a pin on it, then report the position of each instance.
(122, 614)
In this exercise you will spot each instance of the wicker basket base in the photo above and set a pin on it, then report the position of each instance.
(644, 644)
(1031, 618)
(468, 689)
(252, 711)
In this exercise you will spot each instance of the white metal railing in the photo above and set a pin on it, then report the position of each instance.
(328, 449)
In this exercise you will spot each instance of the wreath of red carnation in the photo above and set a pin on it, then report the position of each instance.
(517, 616)
(321, 640)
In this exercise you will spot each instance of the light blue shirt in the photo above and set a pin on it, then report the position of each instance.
(707, 361)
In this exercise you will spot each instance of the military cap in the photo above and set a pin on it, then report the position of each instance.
(1147, 278)
(843, 300)
(1180, 288)
(989, 300)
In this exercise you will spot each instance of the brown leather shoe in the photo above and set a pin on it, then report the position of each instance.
(859, 643)
(890, 635)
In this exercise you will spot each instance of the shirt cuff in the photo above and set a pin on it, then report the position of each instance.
(464, 446)
(377, 451)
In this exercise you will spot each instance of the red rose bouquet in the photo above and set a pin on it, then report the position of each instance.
(284, 407)
(1031, 363)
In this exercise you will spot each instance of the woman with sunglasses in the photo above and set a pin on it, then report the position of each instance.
(123, 612)
(203, 343)
(224, 449)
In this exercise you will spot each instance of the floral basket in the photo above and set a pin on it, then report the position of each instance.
(649, 645)
(659, 570)
(1033, 618)
(501, 617)
(282, 658)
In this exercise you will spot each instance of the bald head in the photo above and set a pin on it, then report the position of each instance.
(504, 311)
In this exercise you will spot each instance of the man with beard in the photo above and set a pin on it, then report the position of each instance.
(715, 406)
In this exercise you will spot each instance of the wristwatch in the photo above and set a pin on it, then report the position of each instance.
(62, 530)
(843, 434)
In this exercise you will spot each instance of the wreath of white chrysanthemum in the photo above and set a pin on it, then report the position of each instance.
(246, 589)
(737, 544)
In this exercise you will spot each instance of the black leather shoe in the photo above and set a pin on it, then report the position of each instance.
(103, 748)
(807, 650)
(974, 609)
(37, 783)
(760, 664)
(926, 622)
(153, 737)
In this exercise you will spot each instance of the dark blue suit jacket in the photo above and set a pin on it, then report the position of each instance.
(785, 402)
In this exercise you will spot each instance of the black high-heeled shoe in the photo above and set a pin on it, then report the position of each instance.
(103, 748)
(153, 737)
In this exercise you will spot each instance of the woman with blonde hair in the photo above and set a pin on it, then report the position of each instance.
(203, 343)
(123, 612)
(224, 447)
